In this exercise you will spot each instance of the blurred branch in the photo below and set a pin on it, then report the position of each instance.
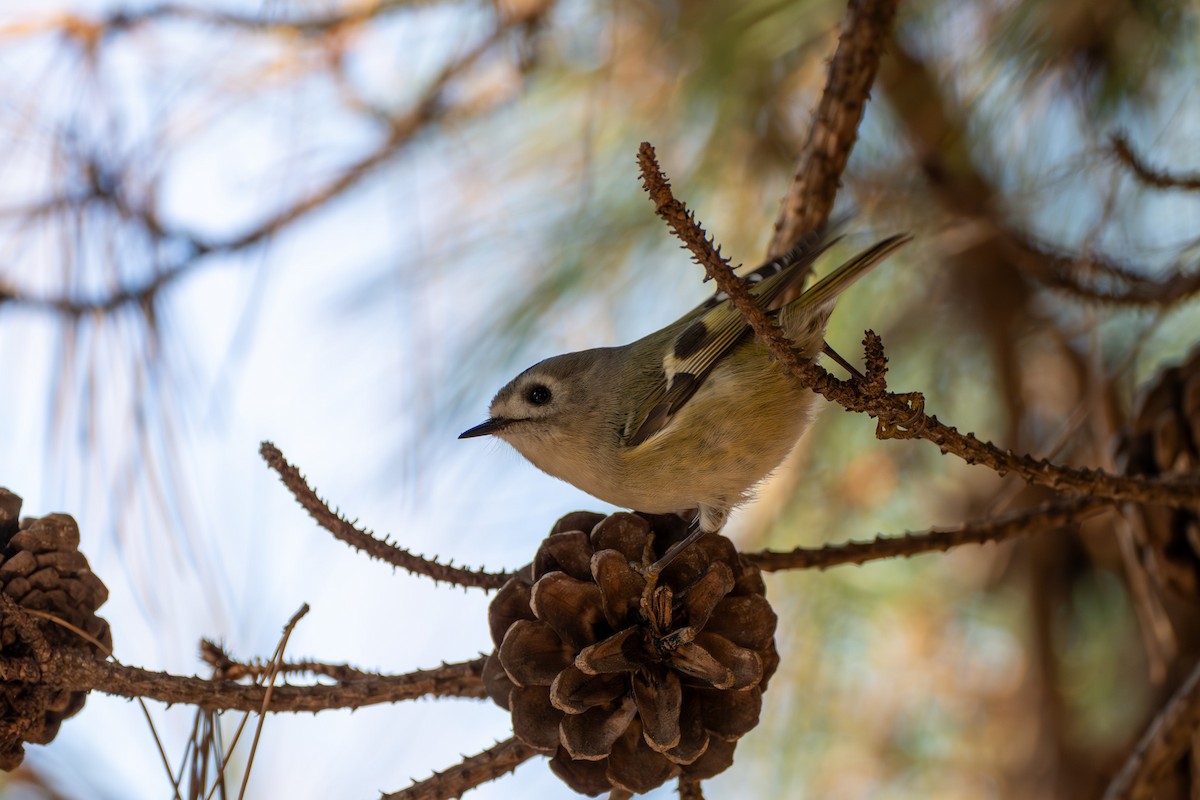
(72, 672)
(142, 294)
(898, 415)
(401, 129)
(356, 14)
(106, 186)
(1060, 270)
(1026, 522)
(359, 539)
(1170, 734)
(834, 127)
(92, 30)
(470, 772)
(936, 133)
(1160, 179)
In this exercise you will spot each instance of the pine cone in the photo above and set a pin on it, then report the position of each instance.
(628, 686)
(41, 569)
(1164, 438)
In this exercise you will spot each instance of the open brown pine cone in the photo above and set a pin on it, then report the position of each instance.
(1163, 438)
(41, 569)
(626, 685)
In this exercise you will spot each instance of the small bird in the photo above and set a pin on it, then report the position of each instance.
(689, 418)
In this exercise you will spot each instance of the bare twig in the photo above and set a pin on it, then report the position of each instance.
(690, 790)
(79, 673)
(1170, 734)
(1159, 179)
(834, 127)
(472, 771)
(363, 540)
(225, 667)
(898, 415)
(1021, 523)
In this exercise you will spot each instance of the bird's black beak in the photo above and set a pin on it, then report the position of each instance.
(485, 428)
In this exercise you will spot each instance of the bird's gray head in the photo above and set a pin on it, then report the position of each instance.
(548, 401)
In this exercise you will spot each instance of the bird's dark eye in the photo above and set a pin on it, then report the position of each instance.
(539, 395)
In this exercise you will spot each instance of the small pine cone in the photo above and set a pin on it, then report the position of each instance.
(1163, 438)
(41, 569)
(626, 686)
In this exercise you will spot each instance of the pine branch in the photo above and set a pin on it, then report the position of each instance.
(834, 128)
(365, 541)
(472, 771)
(72, 672)
(1049, 516)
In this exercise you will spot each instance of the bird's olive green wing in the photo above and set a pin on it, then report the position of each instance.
(701, 343)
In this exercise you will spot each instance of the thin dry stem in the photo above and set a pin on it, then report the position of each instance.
(472, 771)
(1010, 526)
(272, 673)
(363, 540)
(158, 744)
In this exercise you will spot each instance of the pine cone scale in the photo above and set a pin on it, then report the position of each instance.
(574, 691)
(659, 696)
(570, 606)
(590, 736)
(620, 587)
(535, 721)
(532, 654)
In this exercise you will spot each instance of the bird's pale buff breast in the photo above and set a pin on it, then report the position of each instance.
(738, 427)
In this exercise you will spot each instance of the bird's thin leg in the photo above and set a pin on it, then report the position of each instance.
(843, 363)
(674, 550)
(709, 518)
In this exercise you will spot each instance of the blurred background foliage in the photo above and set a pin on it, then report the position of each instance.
(351, 222)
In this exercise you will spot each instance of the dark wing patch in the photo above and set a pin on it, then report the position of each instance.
(691, 340)
(682, 387)
(702, 344)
